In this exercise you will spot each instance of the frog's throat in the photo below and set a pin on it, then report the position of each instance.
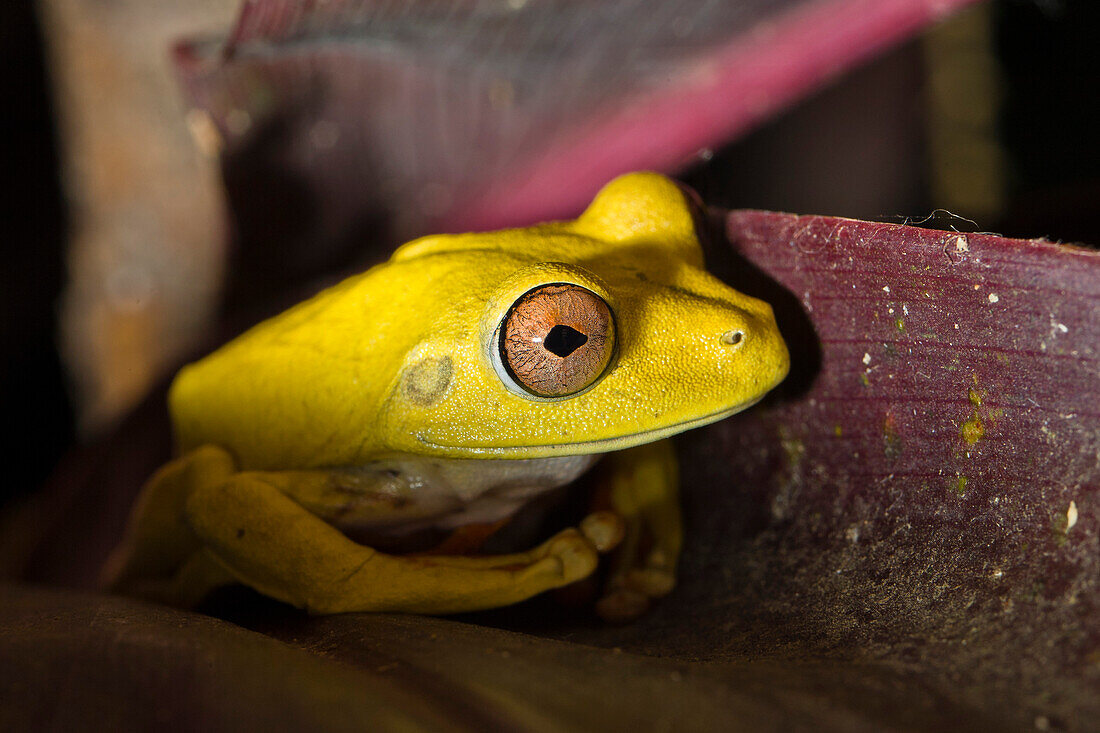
(603, 445)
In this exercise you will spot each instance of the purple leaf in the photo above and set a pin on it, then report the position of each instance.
(924, 490)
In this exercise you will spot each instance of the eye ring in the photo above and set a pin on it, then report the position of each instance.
(555, 341)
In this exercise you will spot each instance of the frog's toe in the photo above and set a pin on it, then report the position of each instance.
(605, 530)
(575, 554)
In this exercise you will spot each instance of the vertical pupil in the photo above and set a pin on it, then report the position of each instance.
(563, 340)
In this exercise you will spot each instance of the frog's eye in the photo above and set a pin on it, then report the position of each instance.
(557, 339)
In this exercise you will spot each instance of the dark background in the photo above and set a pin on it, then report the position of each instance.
(33, 396)
(1047, 55)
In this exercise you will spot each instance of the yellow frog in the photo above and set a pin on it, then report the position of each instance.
(445, 389)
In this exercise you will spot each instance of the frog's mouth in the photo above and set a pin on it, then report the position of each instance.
(603, 445)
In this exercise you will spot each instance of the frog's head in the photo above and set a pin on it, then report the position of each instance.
(587, 336)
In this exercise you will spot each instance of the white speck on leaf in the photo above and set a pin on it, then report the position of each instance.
(866, 358)
(1071, 515)
(993, 297)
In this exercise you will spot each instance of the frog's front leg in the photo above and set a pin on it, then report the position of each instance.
(642, 486)
(268, 541)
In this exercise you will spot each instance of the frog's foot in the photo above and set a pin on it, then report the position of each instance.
(272, 544)
(455, 583)
(642, 487)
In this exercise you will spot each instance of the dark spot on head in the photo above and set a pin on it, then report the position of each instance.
(240, 533)
(563, 340)
(427, 380)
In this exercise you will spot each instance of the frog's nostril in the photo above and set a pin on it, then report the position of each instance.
(733, 338)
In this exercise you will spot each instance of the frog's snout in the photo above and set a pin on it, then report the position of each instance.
(754, 341)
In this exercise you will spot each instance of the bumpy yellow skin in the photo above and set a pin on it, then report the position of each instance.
(396, 363)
